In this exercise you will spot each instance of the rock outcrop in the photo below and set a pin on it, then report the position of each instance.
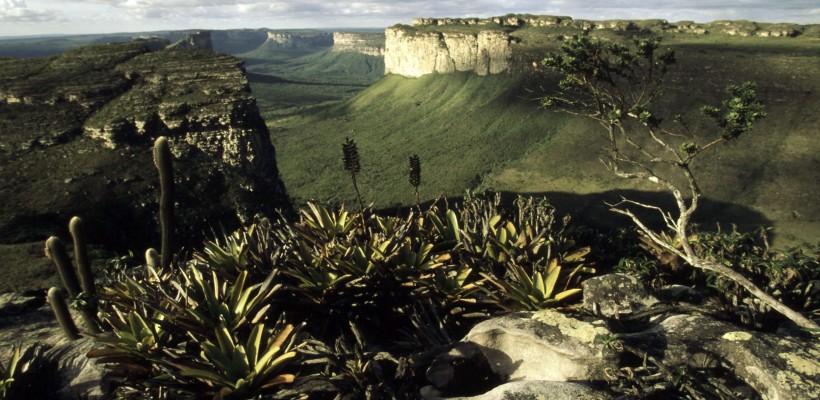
(560, 356)
(518, 345)
(237, 41)
(511, 20)
(195, 41)
(370, 44)
(91, 114)
(290, 40)
(511, 43)
(414, 54)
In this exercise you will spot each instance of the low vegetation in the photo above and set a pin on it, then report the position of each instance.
(506, 143)
(340, 304)
(335, 304)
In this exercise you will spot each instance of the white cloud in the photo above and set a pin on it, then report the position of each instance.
(16, 11)
(139, 15)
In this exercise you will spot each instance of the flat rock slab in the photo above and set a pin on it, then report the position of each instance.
(539, 390)
(613, 295)
(544, 345)
(778, 367)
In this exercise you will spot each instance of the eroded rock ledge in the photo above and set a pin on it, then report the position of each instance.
(76, 132)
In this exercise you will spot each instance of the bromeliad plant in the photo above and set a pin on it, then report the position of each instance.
(522, 255)
(538, 289)
(239, 367)
(202, 327)
(8, 371)
(199, 334)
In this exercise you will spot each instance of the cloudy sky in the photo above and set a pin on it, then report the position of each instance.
(37, 17)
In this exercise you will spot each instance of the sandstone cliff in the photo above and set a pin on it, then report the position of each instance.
(511, 43)
(370, 44)
(414, 54)
(76, 131)
(290, 40)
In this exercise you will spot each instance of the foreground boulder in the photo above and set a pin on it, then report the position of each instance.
(613, 295)
(779, 367)
(537, 390)
(542, 346)
(51, 367)
(562, 356)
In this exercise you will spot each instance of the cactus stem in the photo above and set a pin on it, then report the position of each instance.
(55, 250)
(58, 305)
(162, 160)
(77, 228)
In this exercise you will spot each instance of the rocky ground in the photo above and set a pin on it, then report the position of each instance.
(76, 132)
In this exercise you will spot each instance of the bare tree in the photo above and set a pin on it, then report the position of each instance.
(617, 85)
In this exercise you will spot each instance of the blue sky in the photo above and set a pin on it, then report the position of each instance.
(36, 17)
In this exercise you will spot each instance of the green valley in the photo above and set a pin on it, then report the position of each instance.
(481, 133)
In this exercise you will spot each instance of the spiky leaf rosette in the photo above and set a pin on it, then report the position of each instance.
(351, 156)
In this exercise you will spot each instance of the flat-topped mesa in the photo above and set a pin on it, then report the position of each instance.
(507, 20)
(414, 54)
(512, 43)
(727, 27)
(370, 44)
(195, 41)
(290, 40)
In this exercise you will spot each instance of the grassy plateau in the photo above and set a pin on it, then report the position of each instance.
(480, 133)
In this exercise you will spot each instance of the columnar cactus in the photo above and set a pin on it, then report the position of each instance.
(58, 305)
(55, 250)
(77, 228)
(162, 160)
(152, 258)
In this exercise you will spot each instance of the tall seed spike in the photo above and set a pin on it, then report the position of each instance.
(415, 175)
(415, 170)
(350, 156)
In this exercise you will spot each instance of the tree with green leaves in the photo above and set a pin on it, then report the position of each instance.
(618, 86)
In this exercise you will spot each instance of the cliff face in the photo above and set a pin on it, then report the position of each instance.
(511, 43)
(236, 41)
(370, 44)
(294, 40)
(195, 41)
(415, 54)
(76, 132)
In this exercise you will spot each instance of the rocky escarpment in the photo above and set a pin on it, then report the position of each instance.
(289, 40)
(236, 41)
(75, 137)
(370, 44)
(195, 41)
(728, 27)
(507, 43)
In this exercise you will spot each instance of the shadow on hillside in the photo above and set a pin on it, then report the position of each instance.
(273, 79)
(591, 209)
